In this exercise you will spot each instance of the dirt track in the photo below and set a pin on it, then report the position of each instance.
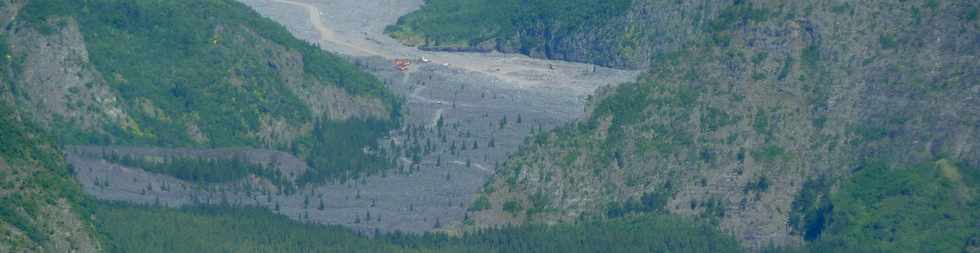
(327, 35)
(356, 28)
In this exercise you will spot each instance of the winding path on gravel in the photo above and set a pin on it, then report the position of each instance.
(326, 34)
(475, 165)
(518, 70)
(417, 95)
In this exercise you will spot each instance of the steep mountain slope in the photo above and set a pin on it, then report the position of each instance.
(39, 201)
(216, 75)
(756, 114)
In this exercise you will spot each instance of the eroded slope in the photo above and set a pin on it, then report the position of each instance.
(765, 99)
(217, 75)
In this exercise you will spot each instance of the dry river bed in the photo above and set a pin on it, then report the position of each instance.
(471, 92)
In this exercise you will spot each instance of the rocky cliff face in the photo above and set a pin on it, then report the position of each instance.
(621, 33)
(64, 86)
(38, 199)
(746, 103)
(58, 82)
(628, 39)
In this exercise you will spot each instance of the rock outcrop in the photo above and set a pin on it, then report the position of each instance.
(746, 103)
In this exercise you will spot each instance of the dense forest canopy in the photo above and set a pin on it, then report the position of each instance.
(448, 24)
(238, 229)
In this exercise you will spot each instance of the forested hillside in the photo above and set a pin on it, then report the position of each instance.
(39, 202)
(578, 30)
(193, 74)
(925, 208)
(236, 229)
(783, 123)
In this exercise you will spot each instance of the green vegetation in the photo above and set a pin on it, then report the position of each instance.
(714, 119)
(10, 213)
(736, 14)
(842, 8)
(513, 207)
(927, 208)
(208, 78)
(332, 151)
(539, 203)
(760, 57)
(888, 41)
(466, 23)
(769, 153)
(456, 22)
(811, 57)
(37, 182)
(635, 233)
(786, 69)
(670, 99)
(759, 185)
(19, 146)
(650, 202)
(811, 209)
(221, 229)
(231, 229)
(872, 133)
(235, 229)
(706, 87)
(731, 17)
(764, 80)
(4, 53)
(481, 203)
(971, 14)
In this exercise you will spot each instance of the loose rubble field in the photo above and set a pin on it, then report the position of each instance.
(479, 97)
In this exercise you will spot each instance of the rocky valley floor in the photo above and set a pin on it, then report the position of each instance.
(472, 109)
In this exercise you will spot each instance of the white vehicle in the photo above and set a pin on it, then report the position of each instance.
(425, 60)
